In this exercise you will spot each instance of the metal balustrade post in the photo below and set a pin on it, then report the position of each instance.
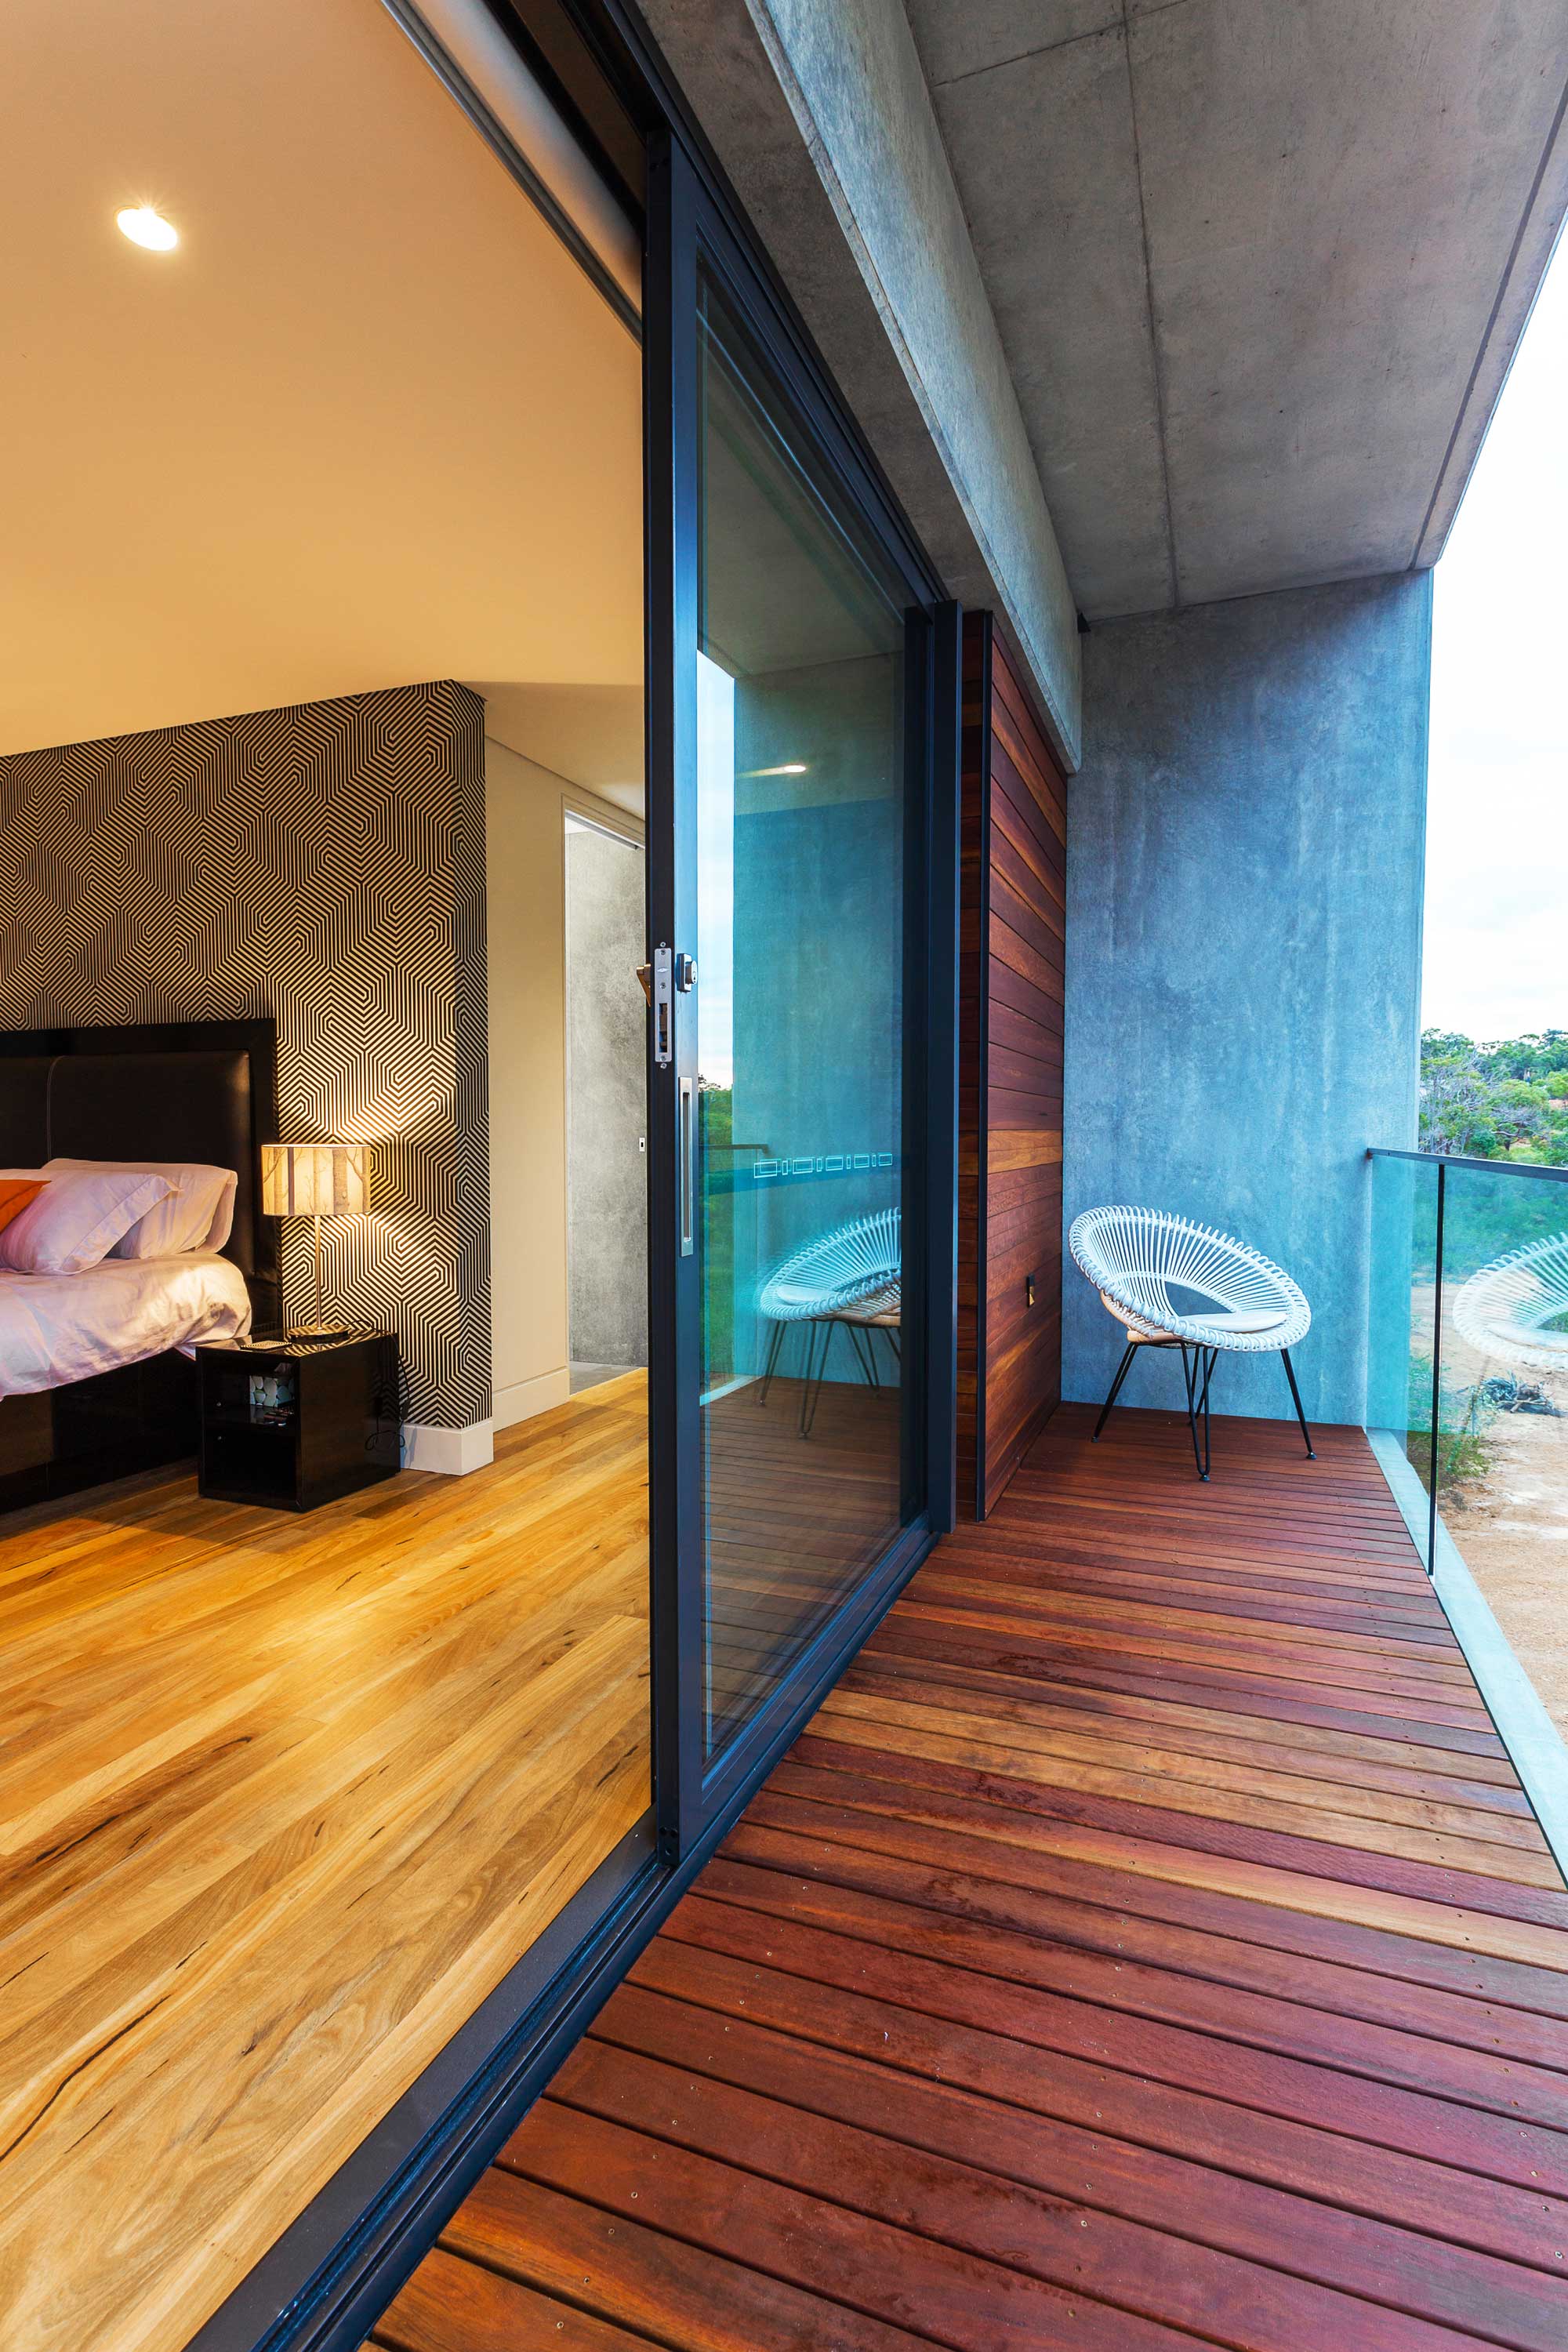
(1436, 1372)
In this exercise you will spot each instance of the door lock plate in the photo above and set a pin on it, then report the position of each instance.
(661, 997)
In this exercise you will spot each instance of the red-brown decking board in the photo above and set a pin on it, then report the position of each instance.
(1149, 1943)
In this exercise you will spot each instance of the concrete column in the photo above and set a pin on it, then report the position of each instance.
(1245, 864)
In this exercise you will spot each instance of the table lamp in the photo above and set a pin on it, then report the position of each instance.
(315, 1180)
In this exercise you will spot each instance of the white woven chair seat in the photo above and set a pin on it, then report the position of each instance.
(1141, 1332)
(852, 1266)
(882, 1310)
(1509, 1309)
(1166, 1278)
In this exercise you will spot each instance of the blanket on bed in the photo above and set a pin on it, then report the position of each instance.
(56, 1327)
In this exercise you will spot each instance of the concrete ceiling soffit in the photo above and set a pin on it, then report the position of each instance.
(1259, 270)
(823, 122)
(1540, 223)
(1348, 211)
(1044, 140)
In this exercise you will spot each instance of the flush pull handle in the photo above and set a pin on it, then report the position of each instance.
(688, 1169)
(684, 977)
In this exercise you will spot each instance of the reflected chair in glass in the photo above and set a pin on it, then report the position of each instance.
(1238, 1302)
(1516, 1309)
(847, 1277)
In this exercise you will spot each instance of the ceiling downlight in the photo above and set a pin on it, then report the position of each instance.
(145, 227)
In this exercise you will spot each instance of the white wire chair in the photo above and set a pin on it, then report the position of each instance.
(1236, 1301)
(1509, 1309)
(847, 1278)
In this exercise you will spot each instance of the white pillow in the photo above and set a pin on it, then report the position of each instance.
(196, 1214)
(77, 1218)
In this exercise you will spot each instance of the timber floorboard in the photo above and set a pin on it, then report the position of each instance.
(1148, 1943)
(282, 1798)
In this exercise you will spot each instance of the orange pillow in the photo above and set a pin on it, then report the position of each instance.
(16, 1193)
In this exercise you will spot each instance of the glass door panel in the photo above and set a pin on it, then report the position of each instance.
(803, 805)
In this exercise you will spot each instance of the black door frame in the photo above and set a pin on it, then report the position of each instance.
(687, 230)
(320, 2286)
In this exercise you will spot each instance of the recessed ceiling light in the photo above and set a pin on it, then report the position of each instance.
(143, 226)
(790, 768)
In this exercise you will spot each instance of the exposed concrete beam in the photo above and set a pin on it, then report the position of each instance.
(822, 119)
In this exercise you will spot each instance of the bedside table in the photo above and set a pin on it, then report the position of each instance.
(293, 1424)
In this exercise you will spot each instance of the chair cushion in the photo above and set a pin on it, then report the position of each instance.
(1252, 1321)
(1243, 1318)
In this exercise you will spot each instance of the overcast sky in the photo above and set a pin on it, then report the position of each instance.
(1496, 960)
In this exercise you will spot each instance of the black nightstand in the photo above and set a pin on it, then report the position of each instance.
(293, 1424)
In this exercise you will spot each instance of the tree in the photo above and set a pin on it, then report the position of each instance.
(1494, 1101)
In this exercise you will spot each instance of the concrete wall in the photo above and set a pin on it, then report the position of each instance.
(821, 117)
(606, 1100)
(819, 970)
(1245, 856)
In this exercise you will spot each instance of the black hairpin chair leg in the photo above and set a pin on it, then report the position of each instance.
(774, 1344)
(1208, 1365)
(812, 1396)
(1122, 1370)
(1192, 1373)
(1296, 1399)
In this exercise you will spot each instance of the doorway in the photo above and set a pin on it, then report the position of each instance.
(607, 1104)
(799, 1192)
(434, 1717)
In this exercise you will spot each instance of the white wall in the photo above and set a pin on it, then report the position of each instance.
(525, 812)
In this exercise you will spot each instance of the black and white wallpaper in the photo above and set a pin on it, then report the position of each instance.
(324, 865)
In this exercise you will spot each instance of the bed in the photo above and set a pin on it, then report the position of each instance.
(95, 1377)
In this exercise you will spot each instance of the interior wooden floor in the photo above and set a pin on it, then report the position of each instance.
(1148, 1944)
(282, 1798)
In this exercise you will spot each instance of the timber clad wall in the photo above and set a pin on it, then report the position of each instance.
(1010, 1114)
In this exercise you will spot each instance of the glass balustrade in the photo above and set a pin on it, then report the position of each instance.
(1468, 1367)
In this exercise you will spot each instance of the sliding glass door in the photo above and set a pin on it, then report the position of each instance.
(789, 985)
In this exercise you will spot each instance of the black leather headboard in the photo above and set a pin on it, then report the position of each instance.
(200, 1092)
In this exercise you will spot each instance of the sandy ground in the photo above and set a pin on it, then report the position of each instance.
(1511, 1525)
(1512, 1530)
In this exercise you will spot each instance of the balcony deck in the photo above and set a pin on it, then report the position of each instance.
(1148, 1943)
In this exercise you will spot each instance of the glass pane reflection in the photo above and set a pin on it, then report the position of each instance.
(800, 955)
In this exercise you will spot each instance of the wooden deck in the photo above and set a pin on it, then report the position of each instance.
(1149, 1943)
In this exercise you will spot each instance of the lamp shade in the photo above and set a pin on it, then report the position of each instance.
(315, 1180)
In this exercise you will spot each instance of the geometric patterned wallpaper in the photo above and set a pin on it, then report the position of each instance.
(324, 864)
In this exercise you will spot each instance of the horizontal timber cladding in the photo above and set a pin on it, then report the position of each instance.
(1010, 1116)
(323, 864)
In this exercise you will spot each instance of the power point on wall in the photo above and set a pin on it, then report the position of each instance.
(1028, 1290)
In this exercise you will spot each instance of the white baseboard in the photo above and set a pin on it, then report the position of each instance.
(525, 1398)
(453, 1452)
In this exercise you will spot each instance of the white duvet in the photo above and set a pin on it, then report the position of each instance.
(56, 1327)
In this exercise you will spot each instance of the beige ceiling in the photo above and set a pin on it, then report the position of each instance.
(591, 734)
(368, 424)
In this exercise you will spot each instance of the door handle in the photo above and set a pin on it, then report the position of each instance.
(688, 1169)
